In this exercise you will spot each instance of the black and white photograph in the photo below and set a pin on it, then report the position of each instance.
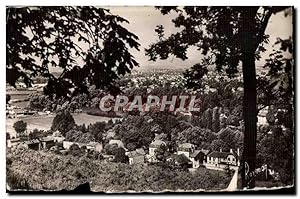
(150, 99)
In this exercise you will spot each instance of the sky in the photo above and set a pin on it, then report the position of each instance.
(143, 21)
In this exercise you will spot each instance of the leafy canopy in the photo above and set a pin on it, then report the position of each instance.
(20, 126)
(89, 44)
(216, 32)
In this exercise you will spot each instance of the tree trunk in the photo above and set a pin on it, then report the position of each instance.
(249, 103)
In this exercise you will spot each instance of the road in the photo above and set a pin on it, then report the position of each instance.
(233, 183)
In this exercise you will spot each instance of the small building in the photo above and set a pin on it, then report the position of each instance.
(95, 146)
(219, 160)
(110, 134)
(108, 158)
(197, 158)
(136, 157)
(58, 137)
(154, 145)
(47, 142)
(119, 143)
(91, 146)
(262, 116)
(13, 142)
(180, 160)
(186, 148)
(205, 152)
(33, 144)
(67, 144)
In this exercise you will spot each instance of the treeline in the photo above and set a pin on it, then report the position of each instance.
(226, 95)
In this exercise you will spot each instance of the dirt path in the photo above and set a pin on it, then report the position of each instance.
(233, 183)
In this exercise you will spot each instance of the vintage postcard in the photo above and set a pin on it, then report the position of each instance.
(150, 99)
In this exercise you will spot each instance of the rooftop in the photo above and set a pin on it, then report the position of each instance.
(93, 143)
(196, 152)
(217, 154)
(117, 142)
(157, 143)
(34, 141)
(205, 151)
(180, 159)
(186, 146)
(47, 139)
(137, 152)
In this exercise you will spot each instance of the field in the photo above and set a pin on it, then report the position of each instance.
(45, 122)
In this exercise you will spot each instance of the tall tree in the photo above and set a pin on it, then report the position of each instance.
(225, 36)
(63, 122)
(20, 127)
(79, 40)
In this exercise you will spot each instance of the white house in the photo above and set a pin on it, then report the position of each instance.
(119, 143)
(67, 144)
(198, 157)
(154, 145)
(95, 146)
(218, 160)
(136, 157)
(58, 137)
(186, 148)
(13, 142)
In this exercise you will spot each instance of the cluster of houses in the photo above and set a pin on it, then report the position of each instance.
(186, 154)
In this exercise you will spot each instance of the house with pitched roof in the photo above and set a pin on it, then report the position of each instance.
(119, 143)
(94, 146)
(13, 142)
(198, 157)
(137, 156)
(154, 145)
(180, 160)
(47, 142)
(218, 160)
(186, 148)
(33, 144)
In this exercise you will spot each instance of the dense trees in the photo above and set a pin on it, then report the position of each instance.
(278, 158)
(63, 122)
(225, 37)
(227, 139)
(75, 150)
(40, 37)
(97, 129)
(20, 127)
(71, 171)
(135, 132)
(35, 133)
(91, 133)
(161, 153)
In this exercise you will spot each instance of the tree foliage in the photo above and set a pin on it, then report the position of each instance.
(88, 41)
(226, 37)
(35, 134)
(63, 122)
(20, 127)
(215, 32)
(106, 176)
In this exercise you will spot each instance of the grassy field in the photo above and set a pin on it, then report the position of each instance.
(45, 122)
(18, 96)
